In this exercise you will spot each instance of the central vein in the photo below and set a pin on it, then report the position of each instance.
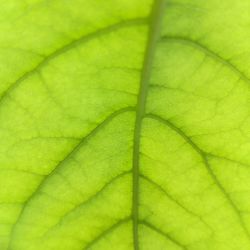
(154, 31)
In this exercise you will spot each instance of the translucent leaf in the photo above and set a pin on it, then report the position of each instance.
(124, 125)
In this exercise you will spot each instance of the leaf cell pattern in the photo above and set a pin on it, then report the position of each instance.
(124, 125)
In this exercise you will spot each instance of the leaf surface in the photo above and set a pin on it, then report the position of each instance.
(124, 125)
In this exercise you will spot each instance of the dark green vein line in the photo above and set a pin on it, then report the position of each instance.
(106, 232)
(167, 236)
(206, 164)
(153, 37)
(91, 198)
(71, 45)
(207, 51)
(160, 188)
(65, 159)
(177, 130)
(228, 159)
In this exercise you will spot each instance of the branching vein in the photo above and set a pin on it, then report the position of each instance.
(155, 22)
(71, 45)
(204, 157)
(66, 158)
(210, 53)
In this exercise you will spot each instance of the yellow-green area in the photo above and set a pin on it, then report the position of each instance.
(124, 124)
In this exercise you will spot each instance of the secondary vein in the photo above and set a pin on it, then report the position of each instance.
(153, 37)
(71, 45)
(60, 164)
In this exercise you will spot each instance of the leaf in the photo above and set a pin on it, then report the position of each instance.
(124, 125)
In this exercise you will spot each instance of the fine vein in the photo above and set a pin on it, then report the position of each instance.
(71, 45)
(207, 51)
(204, 157)
(60, 164)
(167, 236)
(88, 200)
(106, 232)
(154, 28)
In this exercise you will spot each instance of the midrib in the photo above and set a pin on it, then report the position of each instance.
(154, 28)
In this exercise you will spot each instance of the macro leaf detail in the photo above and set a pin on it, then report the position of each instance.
(124, 125)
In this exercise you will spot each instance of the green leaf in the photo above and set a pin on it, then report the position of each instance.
(124, 125)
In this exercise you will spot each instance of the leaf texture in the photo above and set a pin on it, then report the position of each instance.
(124, 125)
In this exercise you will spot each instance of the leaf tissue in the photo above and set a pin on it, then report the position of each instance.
(125, 124)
